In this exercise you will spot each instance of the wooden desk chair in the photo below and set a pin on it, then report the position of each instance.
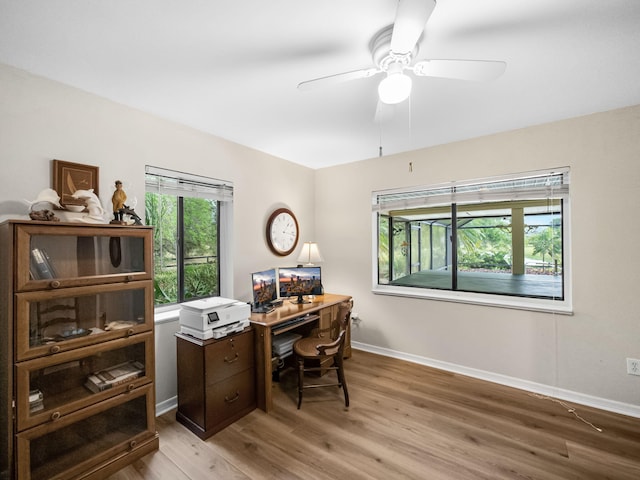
(324, 345)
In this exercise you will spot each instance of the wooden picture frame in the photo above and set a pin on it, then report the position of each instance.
(69, 177)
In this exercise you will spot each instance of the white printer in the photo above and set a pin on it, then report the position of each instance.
(213, 317)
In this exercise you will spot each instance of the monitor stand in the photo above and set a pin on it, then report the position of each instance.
(299, 300)
(264, 309)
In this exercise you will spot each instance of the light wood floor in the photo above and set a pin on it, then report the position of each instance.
(405, 421)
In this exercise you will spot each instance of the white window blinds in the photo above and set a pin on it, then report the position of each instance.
(531, 185)
(172, 182)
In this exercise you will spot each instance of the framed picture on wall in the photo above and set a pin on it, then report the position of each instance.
(69, 177)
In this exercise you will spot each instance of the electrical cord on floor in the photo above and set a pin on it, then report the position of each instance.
(568, 407)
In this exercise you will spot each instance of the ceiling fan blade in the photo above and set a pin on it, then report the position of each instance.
(411, 17)
(337, 78)
(473, 70)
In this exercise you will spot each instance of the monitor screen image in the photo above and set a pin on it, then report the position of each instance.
(300, 281)
(265, 288)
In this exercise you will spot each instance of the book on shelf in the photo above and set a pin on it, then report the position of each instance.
(114, 376)
(36, 400)
(41, 267)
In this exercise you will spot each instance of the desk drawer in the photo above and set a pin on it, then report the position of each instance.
(227, 399)
(228, 357)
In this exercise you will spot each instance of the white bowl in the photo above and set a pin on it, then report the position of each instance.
(75, 208)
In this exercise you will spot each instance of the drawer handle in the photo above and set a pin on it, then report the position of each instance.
(55, 349)
(131, 386)
(231, 360)
(55, 415)
(128, 278)
(232, 399)
(133, 444)
(130, 332)
(55, 284)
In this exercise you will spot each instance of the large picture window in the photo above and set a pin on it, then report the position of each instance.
(502, 241)
(187, 212)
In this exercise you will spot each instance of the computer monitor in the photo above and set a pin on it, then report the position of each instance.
(300, 281)
(265, 290)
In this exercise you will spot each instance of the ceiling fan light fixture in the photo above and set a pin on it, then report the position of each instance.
(395, 87)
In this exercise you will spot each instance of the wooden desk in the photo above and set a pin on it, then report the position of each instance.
(326, 306)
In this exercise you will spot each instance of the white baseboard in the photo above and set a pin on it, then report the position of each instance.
(165, 406)
(539, 388)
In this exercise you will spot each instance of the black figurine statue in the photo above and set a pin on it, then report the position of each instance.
(131, 212)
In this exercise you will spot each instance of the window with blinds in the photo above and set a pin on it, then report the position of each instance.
(501, 241)
(191, 216)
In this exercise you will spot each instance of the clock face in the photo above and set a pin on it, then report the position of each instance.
(282, 232)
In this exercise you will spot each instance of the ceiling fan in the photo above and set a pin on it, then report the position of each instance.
(394, 50)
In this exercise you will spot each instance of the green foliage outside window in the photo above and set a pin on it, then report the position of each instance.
(199, 240)
(485, 244)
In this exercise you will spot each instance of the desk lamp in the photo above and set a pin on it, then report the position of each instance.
(310, 254)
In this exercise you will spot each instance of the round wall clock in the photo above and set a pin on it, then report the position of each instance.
(282, 232)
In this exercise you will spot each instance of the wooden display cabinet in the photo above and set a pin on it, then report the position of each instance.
(77, 353)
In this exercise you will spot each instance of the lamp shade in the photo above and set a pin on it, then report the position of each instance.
(395, 87)
(310, 254)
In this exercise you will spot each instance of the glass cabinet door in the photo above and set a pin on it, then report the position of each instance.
(68, 256)
(47, 391)
(72, 446)
(54, 321)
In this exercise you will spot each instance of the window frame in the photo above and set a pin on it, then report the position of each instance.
(183, 185)
(410, 196)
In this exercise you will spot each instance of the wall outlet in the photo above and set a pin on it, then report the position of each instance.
(633, 366)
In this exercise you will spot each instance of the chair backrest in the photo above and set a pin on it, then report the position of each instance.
(341, 322)
(344, 314)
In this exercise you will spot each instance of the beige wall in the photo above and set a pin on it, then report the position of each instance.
(41, 120)
(585, 353)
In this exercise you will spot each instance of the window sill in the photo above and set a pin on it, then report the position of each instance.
(519, 303)
(166, 314)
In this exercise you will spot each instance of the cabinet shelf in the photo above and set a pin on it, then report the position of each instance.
(117, 428)
(80, 255)
(113, 311)
(61, 378)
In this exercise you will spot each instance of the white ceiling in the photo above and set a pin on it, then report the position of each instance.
(231, 67)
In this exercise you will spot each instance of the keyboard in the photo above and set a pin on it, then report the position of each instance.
(294, 321)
